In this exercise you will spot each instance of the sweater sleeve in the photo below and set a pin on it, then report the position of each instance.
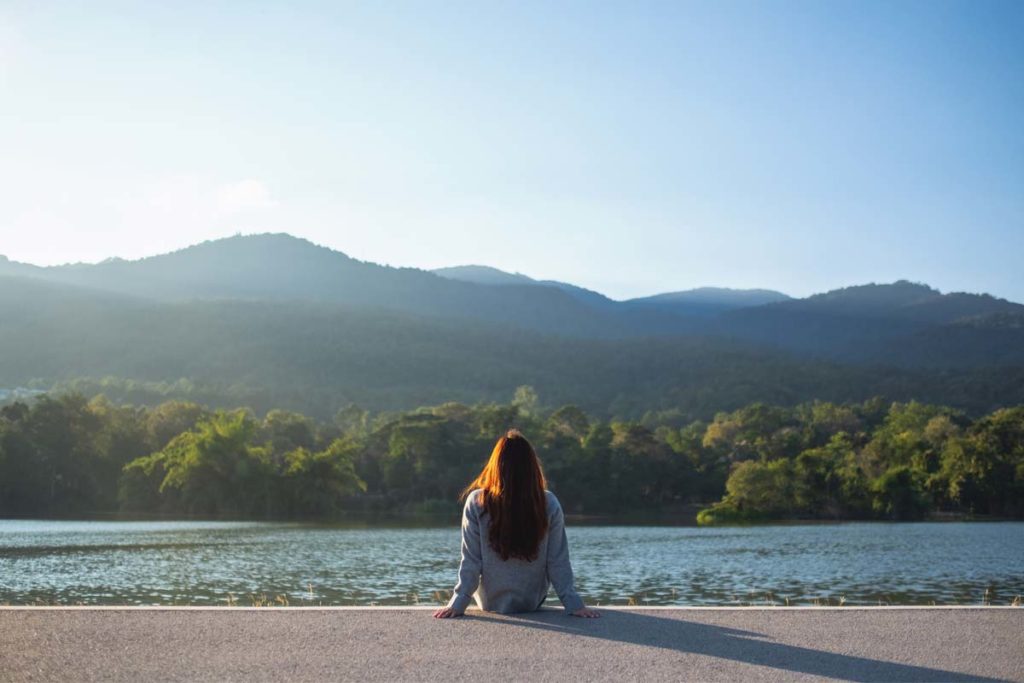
(559, 567)
(470, 564)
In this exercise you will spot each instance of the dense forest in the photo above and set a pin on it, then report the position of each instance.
(67, 455)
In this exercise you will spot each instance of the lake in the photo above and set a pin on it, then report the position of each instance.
(218, 563)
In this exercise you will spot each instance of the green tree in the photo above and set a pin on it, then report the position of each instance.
(525, 399)
(317, 483)
(216, 469)
(899, 493)
(763, 488)
(818, 480)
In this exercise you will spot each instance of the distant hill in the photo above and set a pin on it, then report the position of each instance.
(867, 323)
(485, 275)
(901, 300)
(318, 357)
(275, 315)
(709, 300)
(284, 268)
(694, 302)
(861, 323)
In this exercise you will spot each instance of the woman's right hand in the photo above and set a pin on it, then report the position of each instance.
(586, 613)
(446, 613)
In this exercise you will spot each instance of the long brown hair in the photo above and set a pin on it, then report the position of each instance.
(512, 493)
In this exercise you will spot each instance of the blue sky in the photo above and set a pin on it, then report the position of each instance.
(628, 147)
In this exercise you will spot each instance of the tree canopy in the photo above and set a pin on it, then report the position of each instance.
(68, 455)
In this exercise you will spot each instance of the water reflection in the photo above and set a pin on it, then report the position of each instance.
(162, 563)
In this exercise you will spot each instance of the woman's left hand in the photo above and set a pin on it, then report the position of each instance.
(446, 612)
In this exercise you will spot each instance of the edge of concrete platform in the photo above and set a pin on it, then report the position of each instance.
(367, 608)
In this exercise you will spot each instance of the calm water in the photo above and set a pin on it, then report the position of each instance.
(212, 562)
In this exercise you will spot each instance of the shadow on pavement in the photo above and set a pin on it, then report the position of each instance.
(726, 643)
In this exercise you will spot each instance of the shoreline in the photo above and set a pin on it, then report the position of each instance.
(363, 519)
(477, 612)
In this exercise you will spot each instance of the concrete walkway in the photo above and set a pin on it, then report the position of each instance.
(298, 644)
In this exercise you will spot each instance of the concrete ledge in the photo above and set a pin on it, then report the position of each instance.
(303, 643)
(473, 610)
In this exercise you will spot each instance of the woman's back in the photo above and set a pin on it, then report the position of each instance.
(513, 538)
(513, 584)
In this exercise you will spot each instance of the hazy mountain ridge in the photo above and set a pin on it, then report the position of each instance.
(284, 268)
(900, 323)
(699, 301)
(483, 275)
(486, 275)
(905, 300)
(113, 317)
(280, 266)
(318, 357)
(709, 301)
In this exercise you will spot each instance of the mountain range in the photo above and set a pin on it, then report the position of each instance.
(272, 314)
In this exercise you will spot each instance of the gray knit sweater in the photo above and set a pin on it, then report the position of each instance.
(512, 585)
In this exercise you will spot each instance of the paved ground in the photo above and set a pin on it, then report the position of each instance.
(153, 644)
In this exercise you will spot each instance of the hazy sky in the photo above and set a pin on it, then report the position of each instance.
(629, 147)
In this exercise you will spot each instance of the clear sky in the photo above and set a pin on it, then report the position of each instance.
(630, 147)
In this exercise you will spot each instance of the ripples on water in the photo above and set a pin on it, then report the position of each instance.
(203, 563)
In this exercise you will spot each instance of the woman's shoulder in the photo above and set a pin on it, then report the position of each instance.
(473, 498)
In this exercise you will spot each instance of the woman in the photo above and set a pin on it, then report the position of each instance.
(513, 538)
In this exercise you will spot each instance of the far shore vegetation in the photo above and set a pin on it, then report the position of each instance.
(67, 455)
